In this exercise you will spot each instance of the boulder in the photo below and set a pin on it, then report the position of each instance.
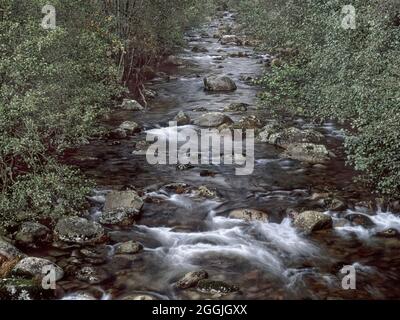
(249, 215)
(182, 119)
(32, 233)
(212, 119)
(79, 231)
(275, 134)
(34, 268)
(150, 94)
(237, 107)
(121, 207)
(130, 127)
(307, 152)
(311, 221)
(8, 251)
(132, 105)
(248, 122)
(231, 39)
(129, 247)
(213, 287)
(219, 83)
(388, 233)
(360, 219)
(198, 49)
(191, 279)
(23, 289)
(92, 275)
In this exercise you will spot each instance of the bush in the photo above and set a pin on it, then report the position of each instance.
(328, 72)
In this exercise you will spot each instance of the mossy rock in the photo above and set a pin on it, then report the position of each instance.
(23, 289)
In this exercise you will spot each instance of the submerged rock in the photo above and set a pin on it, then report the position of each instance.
(79, 231)
(213, 287)
(212, 119)
(360, 219)
(198, 49)
(249, 215)
(219, 83)
(34, 268)
(307, 152)
(32, 233)
(129, 247)
(388, 233)
(121, 207)
(311, 221)
(191, 279)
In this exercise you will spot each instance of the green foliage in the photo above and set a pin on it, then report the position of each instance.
(351, 75)
(56, 84)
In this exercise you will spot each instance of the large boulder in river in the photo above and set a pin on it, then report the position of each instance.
(249, 215)
(23, 289)
(311, 221)
(79, 231)
(212, 119)
(307, 152)
(237, 107)
(215, 287)
(35, 268)
(219, 83)
(121, 207)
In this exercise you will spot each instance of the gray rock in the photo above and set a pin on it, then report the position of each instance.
(274, 134)
(311, 221)
(388, 233)
(23, 289)
(132, 105)
(248, 122)
(249, 215)
(129, 247)
(213, 287)
(92, 275)
(231, 39)
(8, 251)
(79, 231)
(182, 119)
(130, 127)
(137, 297)
(198, 49)
(212, 119)
(307, 152)
(121, 207)
(237, 107)
(360, 219)
(34, 268)
(221, 83)
(32, 233)
(191, 279)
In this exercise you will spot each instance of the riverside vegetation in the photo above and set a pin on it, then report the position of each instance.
(78, 103)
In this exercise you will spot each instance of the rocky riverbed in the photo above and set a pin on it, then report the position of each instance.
(201, 232)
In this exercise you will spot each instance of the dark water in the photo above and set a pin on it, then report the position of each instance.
(182, 232)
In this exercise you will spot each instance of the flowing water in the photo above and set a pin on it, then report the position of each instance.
(182, 232)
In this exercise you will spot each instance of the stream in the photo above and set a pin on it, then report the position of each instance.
(182, 232)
